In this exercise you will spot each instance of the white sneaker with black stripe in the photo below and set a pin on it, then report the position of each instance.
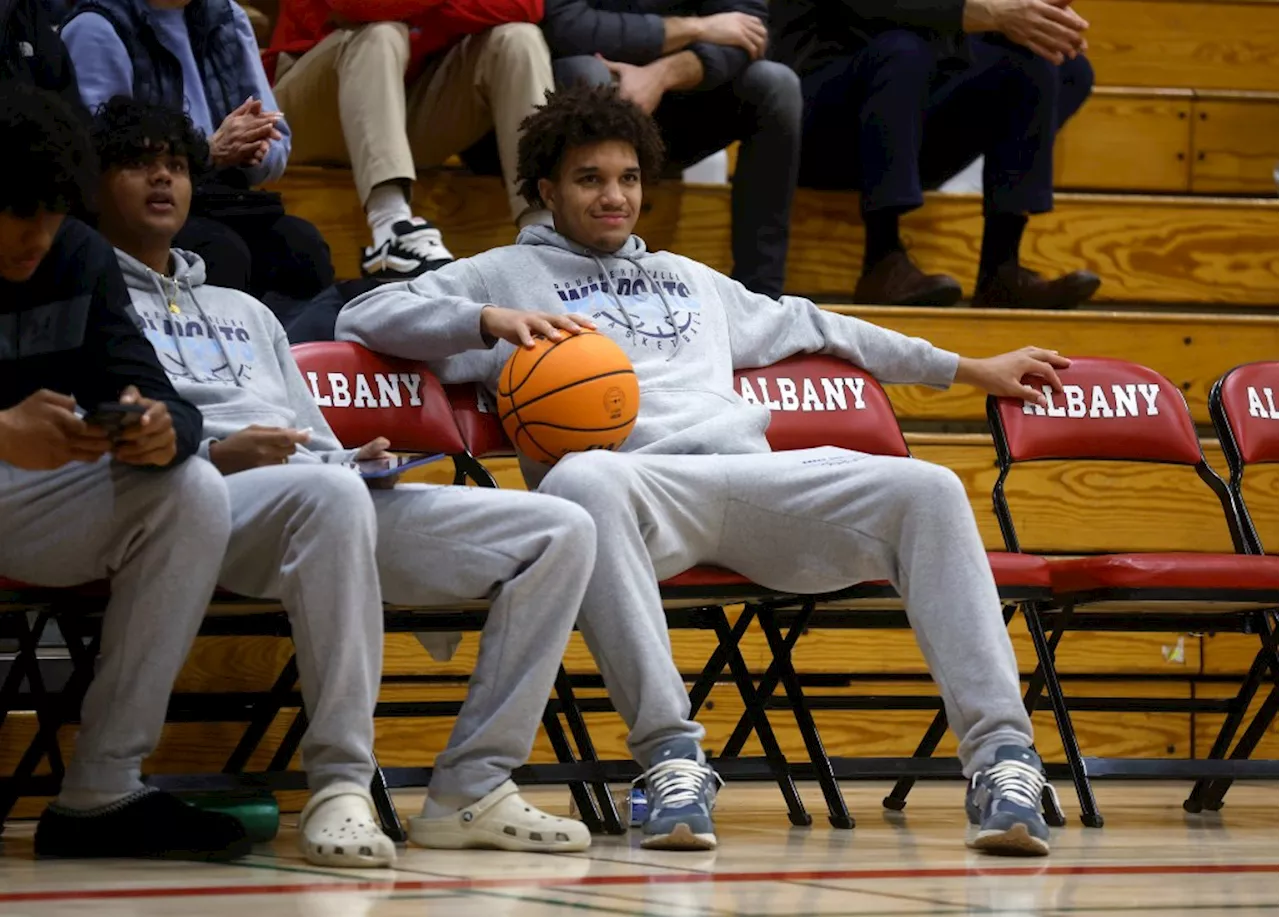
(415, 247)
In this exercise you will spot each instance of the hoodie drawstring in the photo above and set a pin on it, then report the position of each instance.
(653, 285)
(178, 335)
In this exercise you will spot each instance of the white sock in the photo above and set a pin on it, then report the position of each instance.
(387, 205)
(84, 800)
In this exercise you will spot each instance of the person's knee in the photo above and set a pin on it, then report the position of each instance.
(583, 69)
(593, 480)
(197, 494)
(515, 41)
(773, 89)
(929, 488)
(1076, 85)
(570, 526)
(227, 257)
(906, 52)
(390, 38)
(331, 497)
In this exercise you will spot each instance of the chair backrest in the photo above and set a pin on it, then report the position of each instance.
(1243, 405)
(1245, 408)
(364, 395)
(1108, 410)
(819, 400)
(477, 422)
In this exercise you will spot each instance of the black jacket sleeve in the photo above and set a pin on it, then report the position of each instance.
(721, 63)
(576, 27)
(118, 353)
(941, 17)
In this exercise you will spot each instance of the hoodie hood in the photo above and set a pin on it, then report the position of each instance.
(224, 352)
(537, 234)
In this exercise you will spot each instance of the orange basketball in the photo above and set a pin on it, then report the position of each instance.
(574, 395)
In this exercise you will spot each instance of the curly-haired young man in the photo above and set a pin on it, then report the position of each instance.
(307, 531)
(81, 502)
(696, 482)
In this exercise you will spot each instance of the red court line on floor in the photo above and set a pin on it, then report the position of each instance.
(669, 878)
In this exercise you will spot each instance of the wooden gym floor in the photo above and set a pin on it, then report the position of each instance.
(1150, 858)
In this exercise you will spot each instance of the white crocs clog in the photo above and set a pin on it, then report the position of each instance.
(339, 827)
(501, 821)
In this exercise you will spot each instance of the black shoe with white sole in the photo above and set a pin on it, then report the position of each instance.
(414, 248)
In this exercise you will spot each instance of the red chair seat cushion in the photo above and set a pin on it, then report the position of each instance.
(705, 577)
(1165, 571)
(1019, 569)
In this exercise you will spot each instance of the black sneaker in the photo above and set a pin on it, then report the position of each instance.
(1003, 801)
(414, 248)
(147, 825)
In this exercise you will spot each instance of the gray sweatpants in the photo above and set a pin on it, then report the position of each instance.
(808, 521)
(316, 538)
(158, 536)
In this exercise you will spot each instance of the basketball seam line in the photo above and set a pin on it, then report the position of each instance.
(511, 367)
(555, 391)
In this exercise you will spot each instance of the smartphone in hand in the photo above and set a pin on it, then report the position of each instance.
(115, 417)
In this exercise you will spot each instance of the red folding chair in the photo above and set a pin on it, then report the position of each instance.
(1113, 410)
(1243, 408)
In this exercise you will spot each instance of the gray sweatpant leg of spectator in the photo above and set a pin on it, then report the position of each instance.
(531, 556)
(159, 537)
(808, 521)
(305, 535)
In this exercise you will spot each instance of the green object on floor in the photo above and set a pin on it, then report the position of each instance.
(257, 810)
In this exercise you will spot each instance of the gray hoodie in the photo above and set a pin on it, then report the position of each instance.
(685, 327)
(226, 354)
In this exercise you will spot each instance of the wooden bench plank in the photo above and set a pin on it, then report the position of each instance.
(1198, 45)
(1127, 140)
(1234, 146)
(1147, 249)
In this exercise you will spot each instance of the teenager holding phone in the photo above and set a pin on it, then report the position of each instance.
(80, 504)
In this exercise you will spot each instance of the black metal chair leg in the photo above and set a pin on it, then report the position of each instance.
(382, 801)
(1089, 813)
(262, 719)
(610, 821)
(897, 799)
(837, 811)
(289, 744)
(577, 789)
(767, 686)
(764, 730)
(1248, 742)
(1222, 744)
(719, 659)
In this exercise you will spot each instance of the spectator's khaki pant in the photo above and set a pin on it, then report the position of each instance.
(355, 78)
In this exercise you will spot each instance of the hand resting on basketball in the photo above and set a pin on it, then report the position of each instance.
(1011, 375)
(520, 328)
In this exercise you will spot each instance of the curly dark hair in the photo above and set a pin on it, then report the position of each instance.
(128, 131)
(580, 116)
(49, 163)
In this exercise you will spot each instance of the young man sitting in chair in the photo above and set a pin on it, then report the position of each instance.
(307, 530)
(696, 483)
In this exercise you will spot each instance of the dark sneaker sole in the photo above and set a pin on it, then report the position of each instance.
(680, 838)
(1015, 841)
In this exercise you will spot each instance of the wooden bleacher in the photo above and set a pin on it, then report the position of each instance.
(1184, 115)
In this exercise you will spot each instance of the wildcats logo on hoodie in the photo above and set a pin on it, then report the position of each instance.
(631, 306)
(219, 350)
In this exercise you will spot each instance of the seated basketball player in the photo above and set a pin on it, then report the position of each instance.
(307, 530)
(696, 483)
(77, 505)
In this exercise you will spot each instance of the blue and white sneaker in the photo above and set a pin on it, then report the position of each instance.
(1003, 801)
(680, 793)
